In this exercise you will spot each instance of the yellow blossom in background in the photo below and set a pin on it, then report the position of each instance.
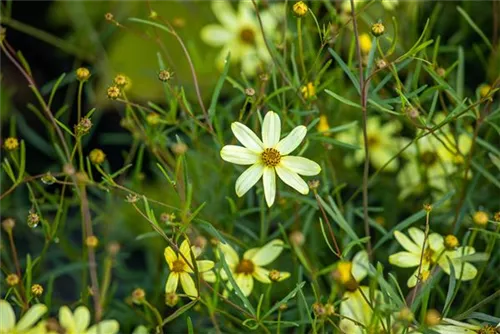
(450, 326)
(12, 280)
(181, 264)
(300, 8)
(79, 321)
(269, 157)
(239, 33)
(365, 43)
(11, 144)
(153, 118)
(97, 156)
(27, 323)
(484, 90)
(353, 305)
(250, 267)
(480, 218)
(382, 143)
(435, 253)
(308, 91)
(323, 125)
(431, 160)
(389, 4)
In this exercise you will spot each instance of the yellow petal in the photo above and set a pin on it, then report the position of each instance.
(188, 285)
(230, 255)
(82, 319)
(186, 252)
(7, 317)
(268, 253)
(66, 319)
(106, 326)
(404, 259)
(407, 244)
(170, 257)
(245, 283)
(209, 276)
(204, 265)
(172, 282)
(261, 275)
(31, 317)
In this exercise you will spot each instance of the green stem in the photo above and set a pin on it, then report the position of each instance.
(157, 315)
(79, 116)
(301, 46)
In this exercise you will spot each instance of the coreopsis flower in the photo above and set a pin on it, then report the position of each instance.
(450, 326)
(435, 252)
(269, 157)
(78, 322)
(354, 306)
(431, 160)
(181, 267)
(25, 325)
(382, 143)
(239, 33)
(250, 267)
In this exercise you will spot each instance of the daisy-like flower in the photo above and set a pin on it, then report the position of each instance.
(78, 322)
(251, 266)
(382, 143)
(26, 324)
(431, 160)
(450, 326)
(269, 157)
(181, 265)
(240, 34)
(435, 253)
(354, 305)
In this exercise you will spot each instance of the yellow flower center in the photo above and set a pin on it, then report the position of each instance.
(245, 267)
(428, 253)
(373, 140)
(247, 35)
(271, 157)
(178, 266)
(487, 330)
(429, 158)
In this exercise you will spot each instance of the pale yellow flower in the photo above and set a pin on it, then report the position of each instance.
(25, 325)
(78, 322)
(382, 143)
(181, 265)
(450, 326)
(354, 305)
(251, 266)
(434, 253)
(431, 160)
(239, 33)
(269, 157)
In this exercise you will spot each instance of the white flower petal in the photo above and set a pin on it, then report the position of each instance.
(225, 13)
(292, 179)
(188, 285)
(7, 317)
(239, 155)
(300, 165)
(66, 319)
(404, 259)
(360, 266)
(417, 235)
(292, 141)
(407, 243)
(106, 326)
(245, 283)
(267, 253)
(261, 275)
(172, 282)
(271, 129)
(247, 137)
(204, 265)
(269, 180)
(31, 317)
(216, 35)
(230, 255)
(82, 319)
(248, 179)
(435, 242)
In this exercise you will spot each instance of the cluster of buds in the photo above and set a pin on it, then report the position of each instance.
(83, 127)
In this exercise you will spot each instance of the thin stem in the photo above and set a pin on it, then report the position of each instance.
(79, 116)
(419, 272)
(364, 95)
(16, 264)
(327, 222)
(301, 46)
(157, 315)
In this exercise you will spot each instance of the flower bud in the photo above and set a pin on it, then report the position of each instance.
(377, 29)
(82, 74)
(113, 92)
(165, 75)
(12, 280)
(171, 299)
(451, 242)
(8, 224)
(92, 241)
(97, 156)
(432, 318)
(138, 296)
(480, 218)
(36, 290)
(11, 144)
(300, 8)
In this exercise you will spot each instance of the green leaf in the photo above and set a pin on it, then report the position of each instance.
(346, 69)
(475, 27)
(284, 300)
(485, 173)
(343, 100)
(54, 89)
(218, 86)
(179, 312)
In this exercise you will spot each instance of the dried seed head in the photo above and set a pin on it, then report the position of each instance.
(274, 275)
(138, 296)
(171, 299)
(33, 219)
(427, 207)
(319, 309)
(113, 248)
(179, 148)
(165, 75)
(250, 91)
(297, 238)
(83, 127)
(109, 17)
(8, 224)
